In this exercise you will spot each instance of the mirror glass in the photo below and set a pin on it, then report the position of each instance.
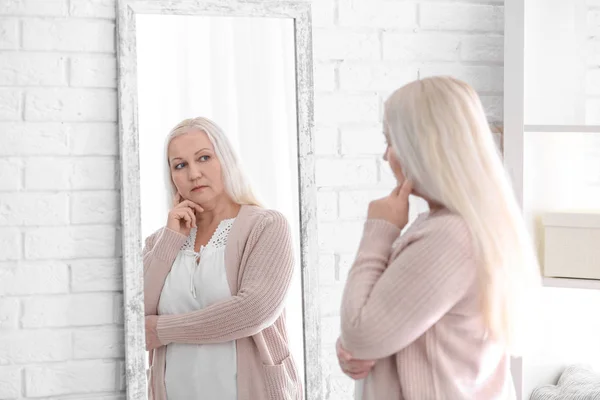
(239, 73)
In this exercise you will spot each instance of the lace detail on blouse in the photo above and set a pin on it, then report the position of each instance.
(218, 239)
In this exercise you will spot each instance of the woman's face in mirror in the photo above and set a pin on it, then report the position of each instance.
(195, 168)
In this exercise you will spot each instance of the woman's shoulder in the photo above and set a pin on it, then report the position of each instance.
(254, 225)
(255, 216)
(446, 226)
(447, 222)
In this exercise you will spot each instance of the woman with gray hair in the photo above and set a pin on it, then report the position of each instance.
(215, 280)
(436, 313)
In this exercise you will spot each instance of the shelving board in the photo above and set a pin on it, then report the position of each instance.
(571, 283)
(562, 128)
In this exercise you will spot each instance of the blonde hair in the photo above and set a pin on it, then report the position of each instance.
(235, 182)
(440, 135)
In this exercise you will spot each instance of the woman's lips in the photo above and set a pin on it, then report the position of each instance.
(198, 188)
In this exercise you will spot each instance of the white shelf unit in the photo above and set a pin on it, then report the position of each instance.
(552, 154)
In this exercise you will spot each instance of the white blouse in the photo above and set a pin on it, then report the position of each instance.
(197, 280)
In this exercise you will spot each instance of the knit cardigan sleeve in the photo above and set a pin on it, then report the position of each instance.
(267, 276)
(386, 304)
(159, 253)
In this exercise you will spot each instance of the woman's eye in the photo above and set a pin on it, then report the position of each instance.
(204, 158)
(180, 165)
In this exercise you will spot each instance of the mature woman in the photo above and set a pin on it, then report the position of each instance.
(215, 280)
(432, 314)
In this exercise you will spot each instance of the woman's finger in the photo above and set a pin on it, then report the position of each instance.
(363, 363)
(359, 366)
(342, 353)
(353, 369)
(185, 216)
(192, 215)
(404, 190)
(192, 205)
(197, 207)
(356, 373)
(345, 366)
(359, 376)
(187, 204)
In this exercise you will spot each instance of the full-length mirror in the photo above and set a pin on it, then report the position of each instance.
(218, 200)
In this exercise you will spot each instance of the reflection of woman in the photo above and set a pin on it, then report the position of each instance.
(431, 314)
(215, 279)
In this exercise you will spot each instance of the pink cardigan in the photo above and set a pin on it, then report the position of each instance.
(416, 309)
(259, 261)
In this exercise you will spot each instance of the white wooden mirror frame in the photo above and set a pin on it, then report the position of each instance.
(300, 12)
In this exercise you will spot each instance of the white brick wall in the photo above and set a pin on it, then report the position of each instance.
(60, 280)
(9, 33)
(34, 7)
(31, 69)
(68, 34)
(378, 14)
(84, 377)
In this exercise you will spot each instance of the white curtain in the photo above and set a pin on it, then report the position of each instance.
(239, 72)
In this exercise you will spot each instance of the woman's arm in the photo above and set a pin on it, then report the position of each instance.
(386, 308)
(160, 251)
(259, 301)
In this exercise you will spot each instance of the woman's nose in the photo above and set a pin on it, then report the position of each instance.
(195, 172)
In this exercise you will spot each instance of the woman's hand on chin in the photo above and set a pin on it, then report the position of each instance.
(182, 217)
(393, 207)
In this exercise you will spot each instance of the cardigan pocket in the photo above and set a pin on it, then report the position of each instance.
(282, 381)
